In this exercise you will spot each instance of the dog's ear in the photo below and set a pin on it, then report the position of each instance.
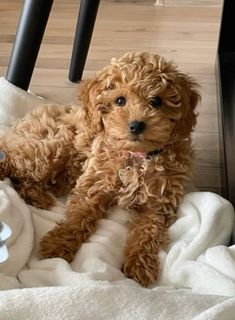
(89, 93)
(189, 100)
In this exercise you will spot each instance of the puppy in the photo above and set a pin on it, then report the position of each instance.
(128, 144)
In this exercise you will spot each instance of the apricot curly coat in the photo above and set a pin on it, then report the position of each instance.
(127, 144)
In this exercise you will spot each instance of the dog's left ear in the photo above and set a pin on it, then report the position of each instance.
(189, 99)
(89, 93)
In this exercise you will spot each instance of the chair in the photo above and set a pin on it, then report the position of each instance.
(32, 24)
(225, 70)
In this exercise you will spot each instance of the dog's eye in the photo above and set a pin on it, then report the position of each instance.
(156, 102)
(120, 101)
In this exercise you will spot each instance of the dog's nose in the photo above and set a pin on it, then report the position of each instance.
(136, 127)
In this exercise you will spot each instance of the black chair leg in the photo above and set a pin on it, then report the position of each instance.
(225, 69)
(28, 39)
(85, 24)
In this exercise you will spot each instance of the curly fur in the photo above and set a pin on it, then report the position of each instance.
(90, 150)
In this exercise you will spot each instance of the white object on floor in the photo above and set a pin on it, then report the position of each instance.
(159, 3)
(5, 233)
(92, 286)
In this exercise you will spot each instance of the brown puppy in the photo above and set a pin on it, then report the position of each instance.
(128, 144)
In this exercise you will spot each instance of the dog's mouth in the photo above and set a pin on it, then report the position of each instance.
(139, 138)
(138, 144)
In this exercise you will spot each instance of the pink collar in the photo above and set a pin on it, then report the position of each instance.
(141, 155)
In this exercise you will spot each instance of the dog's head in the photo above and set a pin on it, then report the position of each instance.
(141, 102)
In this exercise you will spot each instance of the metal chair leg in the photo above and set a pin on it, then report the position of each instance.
(32, 24)
(85, 24)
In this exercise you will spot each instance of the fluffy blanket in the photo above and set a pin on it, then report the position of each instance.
(198, 269)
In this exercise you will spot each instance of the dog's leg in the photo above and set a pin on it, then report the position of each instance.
(34, 193)
(84, 209)
(147, 237)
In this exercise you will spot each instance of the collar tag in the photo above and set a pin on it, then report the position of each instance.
(154, 153)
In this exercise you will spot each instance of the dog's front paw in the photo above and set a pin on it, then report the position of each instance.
(58, 243)
(143, 268)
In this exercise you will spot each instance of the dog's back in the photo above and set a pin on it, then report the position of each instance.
(36, 151)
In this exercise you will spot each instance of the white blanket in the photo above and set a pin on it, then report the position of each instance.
(92, 287)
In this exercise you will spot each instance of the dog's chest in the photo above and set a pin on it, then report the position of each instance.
(138, 171)
(140, 180)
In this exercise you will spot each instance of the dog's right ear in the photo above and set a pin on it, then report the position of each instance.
(89, 93)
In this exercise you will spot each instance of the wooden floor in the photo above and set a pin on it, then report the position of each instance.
(187, 35)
